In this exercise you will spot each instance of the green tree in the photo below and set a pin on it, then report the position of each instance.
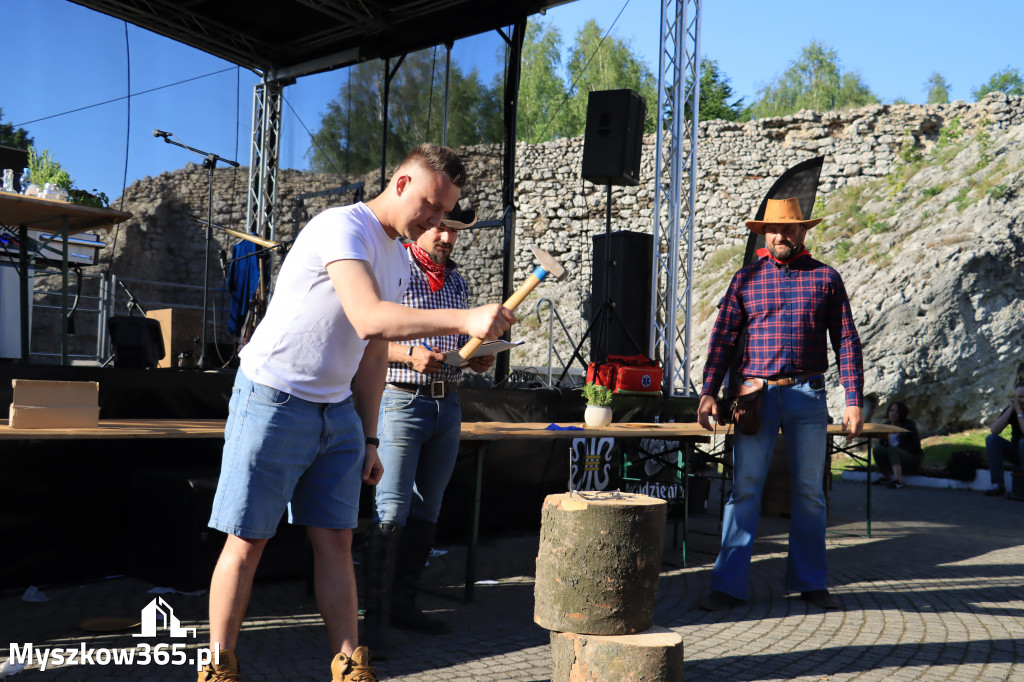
(813, 81)
(715, 93)
(543, 114)
(938, 89)
(597, 62)
(13, 137)
(1009, 80)
(348, 141)
(553, 98)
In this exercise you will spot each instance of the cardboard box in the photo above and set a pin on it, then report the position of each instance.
(36, 417)
(55, 393)
(54, 404)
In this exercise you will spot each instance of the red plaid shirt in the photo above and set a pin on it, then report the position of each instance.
(788, 308)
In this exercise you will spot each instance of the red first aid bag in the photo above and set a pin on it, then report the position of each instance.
(635, 374)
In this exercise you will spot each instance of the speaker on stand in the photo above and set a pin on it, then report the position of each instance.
(611, 156)
(613, 137)
(627, 280)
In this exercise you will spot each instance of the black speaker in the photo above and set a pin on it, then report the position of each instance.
(628, 276)
(137, 341)
(614, 137)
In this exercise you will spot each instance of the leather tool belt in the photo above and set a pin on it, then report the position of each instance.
(791, 381)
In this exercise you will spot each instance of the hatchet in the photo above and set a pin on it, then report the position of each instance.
(548, 266)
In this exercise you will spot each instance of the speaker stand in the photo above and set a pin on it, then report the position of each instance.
(607, 308)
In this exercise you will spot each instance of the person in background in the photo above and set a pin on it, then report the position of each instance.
(419, 429)
(901, 452)
(791, 306)
(998, 449)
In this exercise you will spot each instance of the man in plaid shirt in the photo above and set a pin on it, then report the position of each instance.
(789, 303)
(419, 429)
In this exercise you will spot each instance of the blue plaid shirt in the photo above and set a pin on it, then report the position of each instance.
(454, 294)
(789, 309)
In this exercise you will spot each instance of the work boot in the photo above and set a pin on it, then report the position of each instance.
(353, 669)
(413, 551)
(378, 578)
(225, 671)
(820, 598)
(719, 601)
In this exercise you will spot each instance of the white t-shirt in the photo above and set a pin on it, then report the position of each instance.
(305, 345)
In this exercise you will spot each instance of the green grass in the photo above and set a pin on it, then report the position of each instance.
(937, 450)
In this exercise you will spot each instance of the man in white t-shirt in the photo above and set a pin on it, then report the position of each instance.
(301, 433)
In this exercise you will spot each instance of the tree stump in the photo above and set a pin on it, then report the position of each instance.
(655, 655)
(598, 562)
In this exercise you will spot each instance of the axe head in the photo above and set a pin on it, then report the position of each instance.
(548, 262)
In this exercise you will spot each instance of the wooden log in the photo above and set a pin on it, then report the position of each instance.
(598, 562)
(655, 655)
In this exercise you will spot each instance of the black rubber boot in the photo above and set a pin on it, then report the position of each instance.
(412, 558)
(378, 577)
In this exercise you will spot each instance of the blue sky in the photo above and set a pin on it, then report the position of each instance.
(62, 57)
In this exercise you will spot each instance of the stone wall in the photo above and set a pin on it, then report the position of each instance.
(555, 209)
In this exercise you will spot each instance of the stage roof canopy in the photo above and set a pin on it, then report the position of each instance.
(290, 38)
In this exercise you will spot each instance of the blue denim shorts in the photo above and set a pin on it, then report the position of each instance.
(284, 452)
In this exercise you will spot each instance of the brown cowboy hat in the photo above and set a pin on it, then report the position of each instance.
(782, 212)
(459, 218)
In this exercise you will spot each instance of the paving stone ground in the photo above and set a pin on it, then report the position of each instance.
(936, 593)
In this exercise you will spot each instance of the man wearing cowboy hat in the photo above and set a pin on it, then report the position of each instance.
(790, 305)
(419, 430)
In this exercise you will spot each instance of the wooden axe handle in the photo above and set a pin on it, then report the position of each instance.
(466, 352)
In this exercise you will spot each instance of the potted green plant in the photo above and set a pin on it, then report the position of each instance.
(599, 400)
(44, 169)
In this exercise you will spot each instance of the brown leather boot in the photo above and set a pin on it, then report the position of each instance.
(355, 668)
(225, 671)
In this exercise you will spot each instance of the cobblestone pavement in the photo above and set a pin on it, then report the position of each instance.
(936, 593)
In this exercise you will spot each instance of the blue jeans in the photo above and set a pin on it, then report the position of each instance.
(996, 450)
(419, 441)
(281, 451)
(803, 415)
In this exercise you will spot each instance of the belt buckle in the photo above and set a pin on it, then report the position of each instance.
(437, 390)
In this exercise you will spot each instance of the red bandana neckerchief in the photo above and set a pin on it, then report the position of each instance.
(435, 272)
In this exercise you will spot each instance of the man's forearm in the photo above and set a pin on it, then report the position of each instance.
(368, 385)
(399, 352)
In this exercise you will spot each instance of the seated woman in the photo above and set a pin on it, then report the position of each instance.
(901, 451)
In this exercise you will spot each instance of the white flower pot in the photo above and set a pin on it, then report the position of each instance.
(596, 417)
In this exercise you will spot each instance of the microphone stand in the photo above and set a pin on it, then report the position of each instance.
(209, 163)
(133, 303)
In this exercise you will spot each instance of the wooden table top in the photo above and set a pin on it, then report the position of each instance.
(123, 428)
(214, 428)
(664, 430)
(49, 214)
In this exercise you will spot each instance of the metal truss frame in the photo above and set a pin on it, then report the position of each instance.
(675, 188)
(265, 154)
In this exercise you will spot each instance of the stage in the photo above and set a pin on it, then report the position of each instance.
(78, 509)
